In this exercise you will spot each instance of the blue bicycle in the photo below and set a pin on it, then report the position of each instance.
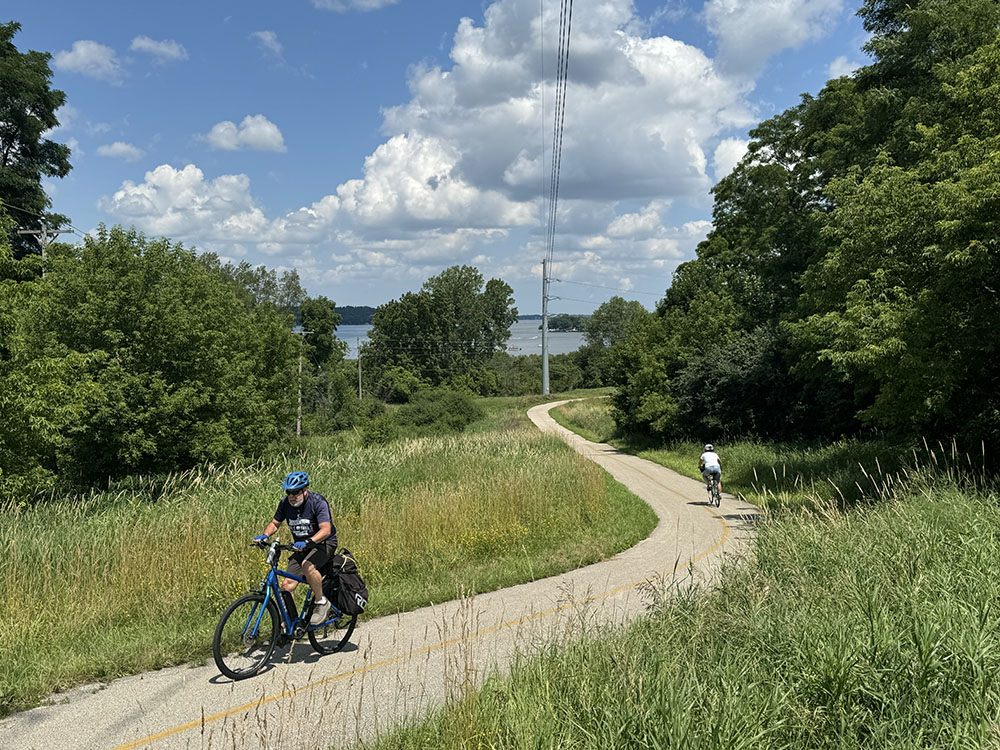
(254, 624)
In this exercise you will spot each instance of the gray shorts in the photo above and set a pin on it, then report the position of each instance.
(710, 470)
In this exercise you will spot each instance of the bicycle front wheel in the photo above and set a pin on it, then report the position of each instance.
(245, 637)
(332, 636)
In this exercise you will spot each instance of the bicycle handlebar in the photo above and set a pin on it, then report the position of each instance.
(279, 545)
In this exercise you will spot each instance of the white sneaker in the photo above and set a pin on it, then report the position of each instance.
(320, 611)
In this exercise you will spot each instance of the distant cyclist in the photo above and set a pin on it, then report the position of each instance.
(709, 464)
(308, 517)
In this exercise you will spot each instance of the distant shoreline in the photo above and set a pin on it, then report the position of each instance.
(361, 315)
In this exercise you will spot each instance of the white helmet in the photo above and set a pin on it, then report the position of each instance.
(709, 447)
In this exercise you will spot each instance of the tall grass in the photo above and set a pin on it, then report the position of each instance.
(874, 628)
(590, 418)
(777, 476)
(117, 582)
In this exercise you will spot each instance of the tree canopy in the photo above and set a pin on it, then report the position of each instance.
(847, 279)
(442, 335)
(135, 356)
(28, 107)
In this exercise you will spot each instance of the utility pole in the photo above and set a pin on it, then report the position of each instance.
(42, 235)
(359, 368)
(545, 327)
(298, 420)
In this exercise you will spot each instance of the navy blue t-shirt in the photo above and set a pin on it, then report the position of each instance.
(304, 521)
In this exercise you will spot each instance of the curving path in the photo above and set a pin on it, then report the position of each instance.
(401, 665)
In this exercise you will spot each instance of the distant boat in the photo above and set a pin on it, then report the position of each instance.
(513, 348)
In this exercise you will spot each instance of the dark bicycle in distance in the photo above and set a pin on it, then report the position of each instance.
(253, 625)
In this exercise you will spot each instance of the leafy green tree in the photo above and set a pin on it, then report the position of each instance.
(330, 398)
(39, 399)
(610, 322)
(604, 330)
(317, 314)
(907, 297)
(132, 356)
(852, 253)
(261, 285)
(445, 333)
(643, 365)
(28, 107)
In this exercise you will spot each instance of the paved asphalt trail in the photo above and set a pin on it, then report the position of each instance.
(399, 666)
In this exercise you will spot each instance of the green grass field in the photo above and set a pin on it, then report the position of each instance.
(873, 628)
(135, 578)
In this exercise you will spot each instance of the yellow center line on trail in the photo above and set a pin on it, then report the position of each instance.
(450, 642)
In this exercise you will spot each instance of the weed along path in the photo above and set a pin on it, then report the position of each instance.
(400, 666)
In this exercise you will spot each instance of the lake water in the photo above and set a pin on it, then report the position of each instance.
(525, 338)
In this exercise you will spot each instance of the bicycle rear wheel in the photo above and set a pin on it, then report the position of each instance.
(716, 494)
(245, 637)
(332, 636)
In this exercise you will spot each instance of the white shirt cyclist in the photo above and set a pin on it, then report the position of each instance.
(711, 460)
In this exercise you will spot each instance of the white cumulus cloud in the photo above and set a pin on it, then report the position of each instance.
(727, 155)
(751, 31)
(120, 150)
(256, 132)
(414, 180)
(462, 172)
(164, 51)
(182, 204)
(268, 40)
(90, 58)
(842, 67)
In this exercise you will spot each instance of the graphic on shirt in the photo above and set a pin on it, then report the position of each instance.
(301, 527)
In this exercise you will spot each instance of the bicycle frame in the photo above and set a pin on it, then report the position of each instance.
(712, 485)
(269, 586)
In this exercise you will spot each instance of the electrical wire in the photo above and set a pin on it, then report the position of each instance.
(601, 286)
(5, 204)
(558, 121)
(573, 299)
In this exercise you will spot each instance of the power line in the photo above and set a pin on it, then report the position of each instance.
(611, 288)
(558, 123)
(573, 299)
(559, 119)
(5, 204)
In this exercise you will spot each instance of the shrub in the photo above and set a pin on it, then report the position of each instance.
(379, 431)
(433, 411)
(397, 384)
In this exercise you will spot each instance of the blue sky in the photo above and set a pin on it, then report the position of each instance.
(369, 143)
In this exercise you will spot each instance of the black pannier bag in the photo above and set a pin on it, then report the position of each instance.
(343, 585)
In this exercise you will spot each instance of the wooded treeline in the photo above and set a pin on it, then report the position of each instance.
(852, 272)
(131, 356)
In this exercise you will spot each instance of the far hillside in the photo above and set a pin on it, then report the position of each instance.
(355, 315)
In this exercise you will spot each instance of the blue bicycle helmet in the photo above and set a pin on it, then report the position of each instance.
(295, 481)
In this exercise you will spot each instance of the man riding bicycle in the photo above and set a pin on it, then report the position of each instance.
(709, 464)
(308, 517)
